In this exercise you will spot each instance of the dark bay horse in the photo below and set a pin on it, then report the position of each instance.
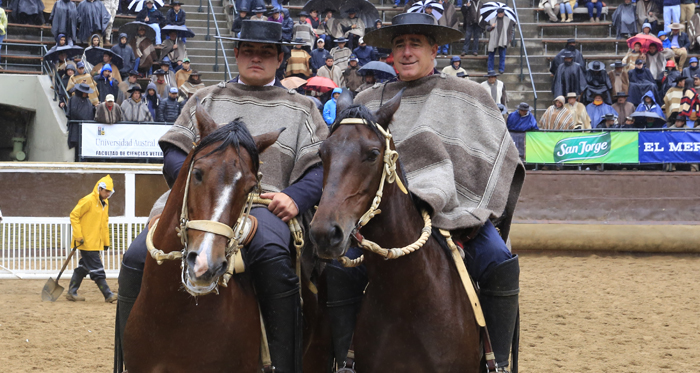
(168, 329)
(415, 315)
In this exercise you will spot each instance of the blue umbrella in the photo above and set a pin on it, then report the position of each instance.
(378, 66)
(182, 31)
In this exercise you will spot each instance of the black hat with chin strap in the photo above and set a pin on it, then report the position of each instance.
(265, 32)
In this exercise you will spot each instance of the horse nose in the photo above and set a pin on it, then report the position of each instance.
(203, 269)
(335, 235)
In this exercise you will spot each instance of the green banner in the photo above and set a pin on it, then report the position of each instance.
(575, 147)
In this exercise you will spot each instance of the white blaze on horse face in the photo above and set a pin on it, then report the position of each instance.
(205, 248)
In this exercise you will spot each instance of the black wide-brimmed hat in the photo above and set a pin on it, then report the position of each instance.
(618, 64)
(596, 66)
(135, 88)
(265, 32)
(412, 23)
(491, 73)
(620, 94)
(82, 87)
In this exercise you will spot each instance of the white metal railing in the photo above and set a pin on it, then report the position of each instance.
(37, 247)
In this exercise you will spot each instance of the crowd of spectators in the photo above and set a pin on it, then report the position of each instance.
(105, 92)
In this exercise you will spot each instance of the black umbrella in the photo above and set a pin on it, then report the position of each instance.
(94, 56)
(70, 51)
(365, 11)
(647, 119)
(320, 5)
(131, 29)
(182, 31)
(378, 67)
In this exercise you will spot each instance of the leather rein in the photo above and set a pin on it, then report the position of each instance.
(389, 175)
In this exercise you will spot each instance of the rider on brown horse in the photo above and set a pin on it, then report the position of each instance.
(292, 180)
(459, 159)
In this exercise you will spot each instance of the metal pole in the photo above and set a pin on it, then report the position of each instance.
(208, 37)
(200, 7)
(522, 46)
(216, 56)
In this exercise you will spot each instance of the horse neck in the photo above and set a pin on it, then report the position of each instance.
(398, 225)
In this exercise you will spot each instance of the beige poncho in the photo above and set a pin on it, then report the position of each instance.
(455, 149)
(263, 110)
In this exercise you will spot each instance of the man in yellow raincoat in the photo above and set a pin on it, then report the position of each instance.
(89, 221)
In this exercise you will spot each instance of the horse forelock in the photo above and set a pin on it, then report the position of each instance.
(357, 111)
(234, 134)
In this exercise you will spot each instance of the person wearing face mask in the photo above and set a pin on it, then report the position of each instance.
(570, 77)
(597, 109)
(559, 58)
(597, 82)
(125, 51)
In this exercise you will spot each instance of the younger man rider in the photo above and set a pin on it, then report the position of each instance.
(292, 179)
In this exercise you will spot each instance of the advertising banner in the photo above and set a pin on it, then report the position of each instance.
(669, 147)
(576, 147)
(121, 140)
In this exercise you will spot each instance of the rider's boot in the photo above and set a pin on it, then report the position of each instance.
(129, 288)
(499, 301)
(75, 282)
(343, 303)
(106, 291)
(277, 289)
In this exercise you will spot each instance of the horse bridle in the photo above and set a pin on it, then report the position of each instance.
(389, 175)
(233, 235)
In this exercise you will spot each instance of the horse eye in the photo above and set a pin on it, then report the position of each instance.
(197, 175)
(373, 155)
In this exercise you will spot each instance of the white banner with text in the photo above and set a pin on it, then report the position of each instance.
(101, 140)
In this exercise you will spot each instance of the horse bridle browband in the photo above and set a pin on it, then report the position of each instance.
(389, 175)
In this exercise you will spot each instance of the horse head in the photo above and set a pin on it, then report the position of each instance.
(353, 163)
(223, 170)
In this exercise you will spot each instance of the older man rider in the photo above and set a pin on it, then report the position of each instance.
(292, 178)
(469, 174)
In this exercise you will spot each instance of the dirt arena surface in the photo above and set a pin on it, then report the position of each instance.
(580, 313)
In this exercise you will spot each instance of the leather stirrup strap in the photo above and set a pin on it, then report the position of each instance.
(466, 280)
(264, 346)
(488, 351)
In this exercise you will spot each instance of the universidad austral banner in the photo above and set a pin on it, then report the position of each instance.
(669, 147)
(121, 140)
(579, 147)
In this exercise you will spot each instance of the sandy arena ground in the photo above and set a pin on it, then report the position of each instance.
(583, 313)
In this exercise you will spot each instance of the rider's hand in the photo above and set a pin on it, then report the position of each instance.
(282, 205)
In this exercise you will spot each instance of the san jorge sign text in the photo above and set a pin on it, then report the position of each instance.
(571, 147)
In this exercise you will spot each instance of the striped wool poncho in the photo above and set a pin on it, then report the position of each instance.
(558, 118)
(454, 148)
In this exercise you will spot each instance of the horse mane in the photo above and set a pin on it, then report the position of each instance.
(235, 134)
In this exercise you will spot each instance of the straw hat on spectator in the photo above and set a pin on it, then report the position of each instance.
(676, 26)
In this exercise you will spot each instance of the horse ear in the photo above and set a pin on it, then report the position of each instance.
(386, 112)
(264, 141)
(344, 102)
(205, 123)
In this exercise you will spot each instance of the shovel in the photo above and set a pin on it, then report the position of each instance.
(52, 290)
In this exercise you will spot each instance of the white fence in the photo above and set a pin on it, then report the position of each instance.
(37, 247)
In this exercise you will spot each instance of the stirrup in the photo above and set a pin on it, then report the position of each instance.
(348, 365)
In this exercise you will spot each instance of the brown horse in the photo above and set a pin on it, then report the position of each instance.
(168, 329)
(415, 315)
